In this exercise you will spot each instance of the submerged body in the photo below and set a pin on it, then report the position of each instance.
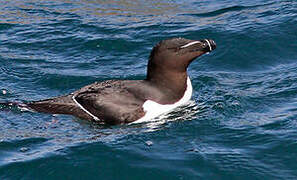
(166, 87)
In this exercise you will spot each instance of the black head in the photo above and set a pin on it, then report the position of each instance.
(174, 55)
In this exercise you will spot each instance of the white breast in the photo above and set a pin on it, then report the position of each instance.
(153, 109)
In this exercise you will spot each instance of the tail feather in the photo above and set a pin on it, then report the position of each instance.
(57, 105)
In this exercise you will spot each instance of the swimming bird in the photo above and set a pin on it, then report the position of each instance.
(165, 87)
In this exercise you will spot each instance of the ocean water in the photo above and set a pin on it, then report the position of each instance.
(242, 123)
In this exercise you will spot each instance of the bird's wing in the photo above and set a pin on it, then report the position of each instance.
(112, 104)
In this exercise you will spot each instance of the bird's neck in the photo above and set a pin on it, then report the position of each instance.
(171, 82)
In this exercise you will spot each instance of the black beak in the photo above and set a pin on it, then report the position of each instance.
(209, 45)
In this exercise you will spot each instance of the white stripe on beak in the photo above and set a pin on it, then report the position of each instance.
(210, 49)
(190, 44)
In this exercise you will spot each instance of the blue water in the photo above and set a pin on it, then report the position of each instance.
(244, 119)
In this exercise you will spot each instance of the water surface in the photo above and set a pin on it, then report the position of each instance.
(242, 124)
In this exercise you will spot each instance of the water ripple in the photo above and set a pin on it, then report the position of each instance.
(241, 126)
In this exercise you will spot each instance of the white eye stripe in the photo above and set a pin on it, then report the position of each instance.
(190, 44)
(195, 42)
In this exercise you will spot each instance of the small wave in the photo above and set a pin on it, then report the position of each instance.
(227, 10)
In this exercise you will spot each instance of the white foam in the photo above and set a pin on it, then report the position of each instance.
(153, 109)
